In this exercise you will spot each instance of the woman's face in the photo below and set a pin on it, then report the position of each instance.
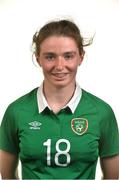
(59, 58)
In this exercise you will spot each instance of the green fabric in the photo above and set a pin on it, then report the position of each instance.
(50, 147)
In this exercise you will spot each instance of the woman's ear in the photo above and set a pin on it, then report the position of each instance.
(38, 60)
(81, 58)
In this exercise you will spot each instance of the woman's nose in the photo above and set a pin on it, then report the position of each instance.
(59, 63)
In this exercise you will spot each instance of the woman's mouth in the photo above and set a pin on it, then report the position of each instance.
(60, 75)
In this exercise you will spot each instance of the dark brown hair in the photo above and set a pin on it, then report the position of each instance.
(64, 28)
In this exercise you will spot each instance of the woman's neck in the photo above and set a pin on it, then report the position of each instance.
(58, 97)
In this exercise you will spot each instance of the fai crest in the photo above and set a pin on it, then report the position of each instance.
(79, 125)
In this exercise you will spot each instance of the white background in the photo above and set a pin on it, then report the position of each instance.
(19, 19)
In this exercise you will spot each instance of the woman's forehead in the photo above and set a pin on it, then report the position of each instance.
(61, 42)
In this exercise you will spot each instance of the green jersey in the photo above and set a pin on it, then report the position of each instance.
(65, 145)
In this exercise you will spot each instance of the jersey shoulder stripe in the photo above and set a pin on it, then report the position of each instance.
(27, 102)
(101, 106)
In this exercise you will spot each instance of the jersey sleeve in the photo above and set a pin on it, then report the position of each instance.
(9, 133)
(109, 137)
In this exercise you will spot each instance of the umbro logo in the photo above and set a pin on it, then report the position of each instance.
(35, 125)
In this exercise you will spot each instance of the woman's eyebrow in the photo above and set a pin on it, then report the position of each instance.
(48, 53)
(70, 52)
(53, 53)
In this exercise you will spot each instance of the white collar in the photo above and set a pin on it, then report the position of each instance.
(72, 104)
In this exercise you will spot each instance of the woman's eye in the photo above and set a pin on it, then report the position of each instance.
(49, 57)
(68, 56)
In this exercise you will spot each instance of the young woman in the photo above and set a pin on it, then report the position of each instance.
(59, 130)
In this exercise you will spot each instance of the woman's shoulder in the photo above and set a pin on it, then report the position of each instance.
(25, 101)
(100, 104)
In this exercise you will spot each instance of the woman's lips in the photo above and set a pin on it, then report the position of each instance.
(60, 75)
